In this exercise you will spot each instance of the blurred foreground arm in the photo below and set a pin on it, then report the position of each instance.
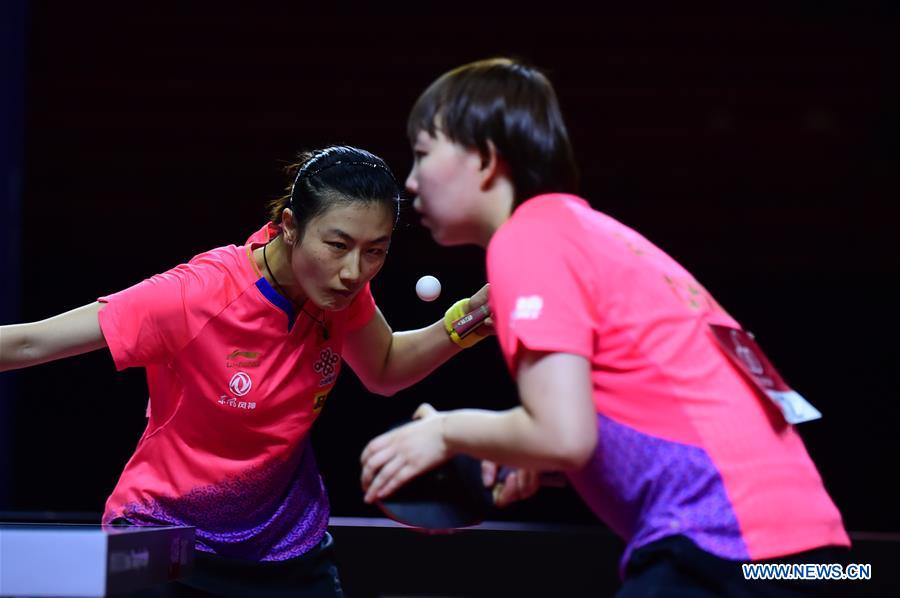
(555, 429)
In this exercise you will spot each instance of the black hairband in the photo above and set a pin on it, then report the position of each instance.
(303, 173)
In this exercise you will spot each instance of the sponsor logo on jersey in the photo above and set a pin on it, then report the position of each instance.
(528, 308)
(240, 384)
(327, 366)
(242, 359)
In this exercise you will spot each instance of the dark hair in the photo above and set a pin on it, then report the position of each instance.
(335, 175)
(512, 105)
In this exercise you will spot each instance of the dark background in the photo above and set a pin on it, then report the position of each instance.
(760, 149)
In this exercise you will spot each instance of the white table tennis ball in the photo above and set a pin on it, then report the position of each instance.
(428, 288)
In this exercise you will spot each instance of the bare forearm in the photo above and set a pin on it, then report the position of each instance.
(15, 351)
(388, 361)
(414, 354)
(554, 429)
(513, 437)
(72, 333)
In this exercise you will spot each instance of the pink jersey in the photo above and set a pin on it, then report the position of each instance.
(686, 444)
(236, 379)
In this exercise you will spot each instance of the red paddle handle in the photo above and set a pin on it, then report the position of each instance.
(471, 321)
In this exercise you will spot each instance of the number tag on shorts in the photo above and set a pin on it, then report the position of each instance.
(746, 355)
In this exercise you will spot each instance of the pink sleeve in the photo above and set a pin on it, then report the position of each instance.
(361, 309)
(152, 320)
(541, 292)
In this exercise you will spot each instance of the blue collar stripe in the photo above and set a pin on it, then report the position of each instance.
(275, 297)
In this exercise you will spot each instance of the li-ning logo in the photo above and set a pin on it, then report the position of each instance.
(240, 384)
(528, 308)
(242, 359)
(325, 366)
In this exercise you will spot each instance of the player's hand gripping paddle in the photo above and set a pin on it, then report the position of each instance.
(449, 497)
(472, 320)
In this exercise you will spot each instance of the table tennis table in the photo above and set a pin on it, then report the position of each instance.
(49, 559)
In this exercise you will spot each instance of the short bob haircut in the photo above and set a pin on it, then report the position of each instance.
(510, 104)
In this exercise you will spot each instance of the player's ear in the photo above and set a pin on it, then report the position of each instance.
(491, 165)
(288, 226)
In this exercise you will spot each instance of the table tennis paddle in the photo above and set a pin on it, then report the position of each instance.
(449, 497)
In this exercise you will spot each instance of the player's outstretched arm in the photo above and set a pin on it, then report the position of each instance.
(71, 333)
(387, 361)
